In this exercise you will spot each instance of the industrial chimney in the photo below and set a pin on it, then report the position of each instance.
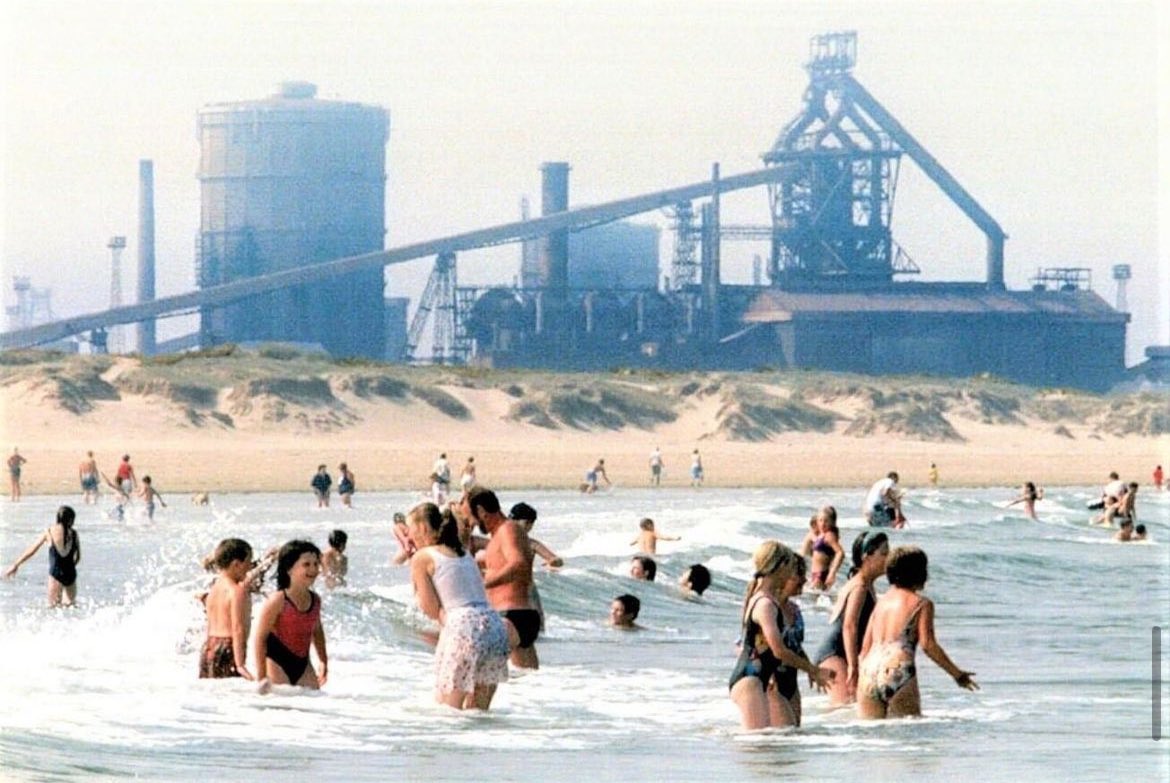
(146, 342)
(554, 197)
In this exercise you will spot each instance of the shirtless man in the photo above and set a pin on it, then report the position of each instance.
(507, 573)
(87, 474)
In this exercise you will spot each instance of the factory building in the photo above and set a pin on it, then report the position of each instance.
(285, 182)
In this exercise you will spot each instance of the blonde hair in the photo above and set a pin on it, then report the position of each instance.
(770, 556)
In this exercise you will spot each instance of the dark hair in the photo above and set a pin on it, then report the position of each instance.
(399, 517)
(1140, 530)
(906, 567)
(630, 605)
(441, 522)
(146, 479)
(1113, 475)
(321, 467)
(1126, 522)
(866, 544)
(482, 498)
(646, 524)
(338, 539)
(66, 516)
(648, 566)
(343, 466)
(289, 554)
(699, 577)
(229, 551)
(893, 474)
(523, 513)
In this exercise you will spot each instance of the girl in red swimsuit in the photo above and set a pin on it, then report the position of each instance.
(290, 622)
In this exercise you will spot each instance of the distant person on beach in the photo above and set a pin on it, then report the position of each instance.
(149, 494)
(1123, 508)
(823, 545)
(840, 648)
(695, 580)
(442, 472)
(507, 573)
(902, 619)
(883, 503)
(643, 568)
(656, 467)
(1111, 493)
(471, 656)
(438, 491)
(87, 475)
(623, 611)
(15, 460)
(648, 537)
(770, 643)
(290, 622)
(1028, 496)
(64, 555)
(229, 612)
(592, 475)
(121, 498)
(406, 547)
(932, 475)
(467, 479)
(334, 563)
(696, 469)
(1159, 477)
(125, 479)
(345, 485)
(321, 483)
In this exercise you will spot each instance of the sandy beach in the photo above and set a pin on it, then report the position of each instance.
(250, 424)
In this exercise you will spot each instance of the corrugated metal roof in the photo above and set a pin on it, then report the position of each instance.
(775, 305)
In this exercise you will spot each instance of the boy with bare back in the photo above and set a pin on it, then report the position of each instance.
(229, 612)
(149, 494)
(647, 540)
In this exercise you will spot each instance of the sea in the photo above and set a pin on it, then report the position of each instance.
(1066, 630)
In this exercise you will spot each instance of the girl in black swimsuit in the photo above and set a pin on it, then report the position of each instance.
(64, 555)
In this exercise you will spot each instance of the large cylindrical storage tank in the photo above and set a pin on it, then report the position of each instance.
(289, 181)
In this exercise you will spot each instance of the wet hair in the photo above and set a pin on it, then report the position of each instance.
(630, 605)
(1140, 530)
(338, 539)
(1030, 488)
(648, 566)
(441, 522)
(770, 556)
(646, 524)
(483, 499)
(830, 517)
(227, 552)
(906, 567)
(288, 556)
(866, 544)
(66, 517)
(699, 578)
(522, 512)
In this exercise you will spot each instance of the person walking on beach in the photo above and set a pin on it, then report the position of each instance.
(591, 477)
(932, 475)
(770, 651)
(696, 469)
(467, 479)
(229, 612)
(87, 475)
(149, 494)
(15, 460)
(840, 649)
(883, 503)
(656, 467)
(345, 485)
(442, 470)
(126, 480)
(64, 555)
(290, 622)
(902, 619)
(321, 482)
(507, 573)
(471, 656)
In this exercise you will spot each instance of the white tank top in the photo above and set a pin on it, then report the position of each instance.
(457, 580)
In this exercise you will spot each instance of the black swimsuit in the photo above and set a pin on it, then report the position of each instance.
(761, 664)
(834, 641)
(63, 568)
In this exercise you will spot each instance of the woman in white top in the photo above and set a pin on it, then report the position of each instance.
(471, 657)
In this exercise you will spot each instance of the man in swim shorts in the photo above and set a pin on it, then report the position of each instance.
(507, 573)
(882, 505)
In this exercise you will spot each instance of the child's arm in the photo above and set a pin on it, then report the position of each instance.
(32, 550)
(322, 656)
(161, 502)
(424, 588)
(240, 607)
(551, 559)
(660, 537)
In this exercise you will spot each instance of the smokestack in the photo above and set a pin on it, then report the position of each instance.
(554, 197)
(995, 263)
(146, 343)
(709, 260)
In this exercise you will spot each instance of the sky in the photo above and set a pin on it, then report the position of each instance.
(1048, 113)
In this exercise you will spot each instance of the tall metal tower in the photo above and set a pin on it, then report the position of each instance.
(1121, 274)
(115, 338)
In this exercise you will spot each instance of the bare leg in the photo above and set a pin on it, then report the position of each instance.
(70, 594)
(525, 658)
(309, 679)
(55, 589)
(782, 712)
(454, 699)
(276, 675)
(906, 702)
(839, 685)
(748, 695)
(483, 696)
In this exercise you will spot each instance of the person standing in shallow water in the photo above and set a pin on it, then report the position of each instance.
(14, 463)
(290, 622)
(229, 612)
(64, 555)
(87, 475)
(321, 483)
(345, 485)
(902, 619)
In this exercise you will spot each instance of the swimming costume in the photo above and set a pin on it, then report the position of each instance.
(89, 482)
(291, 637)
(887, 667)
(218, 658)
(14, 471)
(820, 545)
(793, 636)
(527, 624)
(754, 661)
(345, 487)
(150, 509)
(818, 576)
(882, 516)
(321, 483)
(63, 567)
(834, 642)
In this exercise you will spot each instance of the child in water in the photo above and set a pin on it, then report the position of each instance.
(290, 622)
(648, 538)
(406, 547)
(334, 562)
(148, 494)
(229, 612)
(623, 611)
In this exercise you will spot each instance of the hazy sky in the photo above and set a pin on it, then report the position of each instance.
(1046, 112)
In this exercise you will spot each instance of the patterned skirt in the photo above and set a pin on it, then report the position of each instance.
(472, 650)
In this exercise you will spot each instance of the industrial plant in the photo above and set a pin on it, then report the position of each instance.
(293, 228)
